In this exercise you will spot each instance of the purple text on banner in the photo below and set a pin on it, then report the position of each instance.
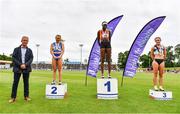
(139, 45)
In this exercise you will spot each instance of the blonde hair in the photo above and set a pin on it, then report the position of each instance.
(157, 38)
(58, 35)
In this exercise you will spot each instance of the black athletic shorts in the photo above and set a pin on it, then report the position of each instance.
(105, 45)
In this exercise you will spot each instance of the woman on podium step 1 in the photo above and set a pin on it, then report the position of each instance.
(104, 40)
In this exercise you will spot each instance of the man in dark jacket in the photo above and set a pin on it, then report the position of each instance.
(22, 59)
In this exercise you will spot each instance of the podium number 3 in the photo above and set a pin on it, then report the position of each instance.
(108, 84)
(54, 90)
(164, 95)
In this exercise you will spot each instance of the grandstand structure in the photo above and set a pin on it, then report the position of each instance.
(68, 65)
(5, 64)
(46, 65)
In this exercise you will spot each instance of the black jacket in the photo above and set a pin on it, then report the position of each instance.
(17, 61)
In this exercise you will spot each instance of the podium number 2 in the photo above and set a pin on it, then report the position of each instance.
(164, 95)
(54, 90)
(108, 84)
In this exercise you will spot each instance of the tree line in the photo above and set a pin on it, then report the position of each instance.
(5, 57)
(172, 59)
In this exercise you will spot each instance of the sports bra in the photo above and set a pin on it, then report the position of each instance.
(159, 51)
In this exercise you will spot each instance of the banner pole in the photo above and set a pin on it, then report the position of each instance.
(86, 80)
(122, 80)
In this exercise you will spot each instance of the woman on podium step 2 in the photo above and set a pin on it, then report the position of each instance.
(57, 51)
(158, 55)
(104, 40)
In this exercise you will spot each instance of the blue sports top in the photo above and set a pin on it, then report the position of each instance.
(57, 47)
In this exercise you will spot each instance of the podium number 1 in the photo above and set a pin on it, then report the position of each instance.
(54, 90)
(108, 84)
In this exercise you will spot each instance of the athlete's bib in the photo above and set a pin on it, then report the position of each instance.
(104, 36)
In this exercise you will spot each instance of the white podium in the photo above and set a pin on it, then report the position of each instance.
(107, 88)
(160, 95)
(56, 91)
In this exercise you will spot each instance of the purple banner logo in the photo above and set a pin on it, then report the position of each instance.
(139, 45)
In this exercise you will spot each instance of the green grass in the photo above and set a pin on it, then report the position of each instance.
(133, 96)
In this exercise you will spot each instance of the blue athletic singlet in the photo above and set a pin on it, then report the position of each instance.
(57, 47)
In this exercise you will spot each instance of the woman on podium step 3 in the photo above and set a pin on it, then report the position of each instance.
(104, 39)
(158, 55)
(57, 51)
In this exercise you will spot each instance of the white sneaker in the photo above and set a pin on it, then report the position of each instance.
(60, 83)
(156, 88)
(161, 88)
(109, 76)
(53, 82)
(102, 76)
